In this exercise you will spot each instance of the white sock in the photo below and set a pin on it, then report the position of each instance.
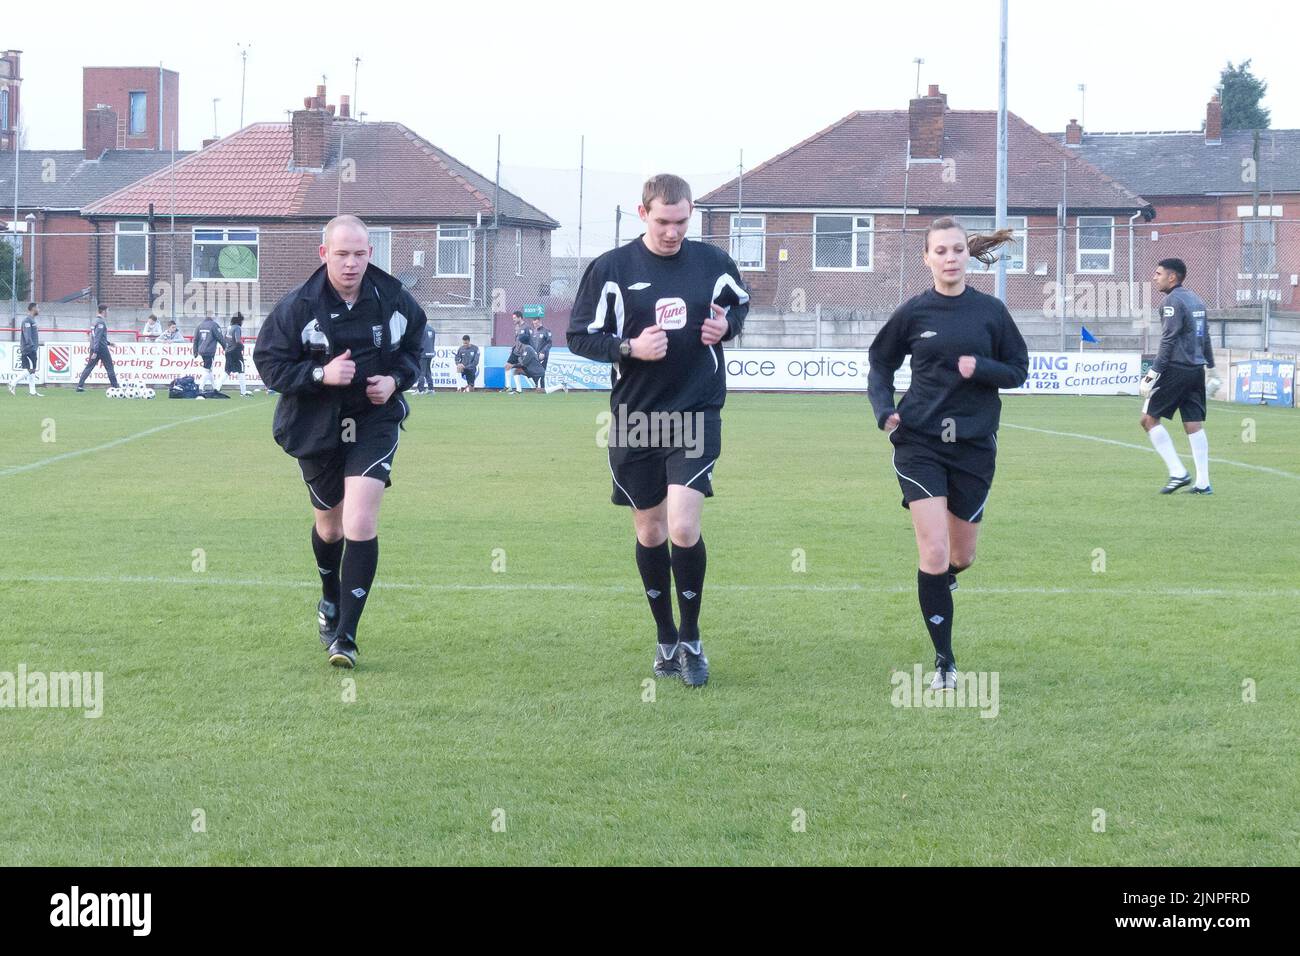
(221, 380)
(31, 382)
(1201, 455)
(243, 390)
(1165, 445)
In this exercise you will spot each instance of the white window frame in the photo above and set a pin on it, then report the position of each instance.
(134, 230)
(144, 113)
(388, 231)
(4, 110)
(1022, 236)
(749, 232)
(1095, 223)
(856, 232)
(469, 245)
(256, 243)
(1263, 246)
(519, 252)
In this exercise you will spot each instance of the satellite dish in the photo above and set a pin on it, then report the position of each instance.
(409, 278)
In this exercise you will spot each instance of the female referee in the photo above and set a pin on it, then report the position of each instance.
(964, 347)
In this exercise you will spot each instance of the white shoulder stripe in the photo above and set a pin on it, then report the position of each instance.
(598, 323)
(726, 281)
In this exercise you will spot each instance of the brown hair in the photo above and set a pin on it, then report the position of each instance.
(667, 188)
(981, 247)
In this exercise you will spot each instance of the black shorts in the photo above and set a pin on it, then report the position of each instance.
(928, 467)
(468, 374)
(1181, 389)
(234, 363)
(207, 361)
(642, 475)
(370, 455)
(29, 361)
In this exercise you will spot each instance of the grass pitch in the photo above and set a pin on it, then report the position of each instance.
(1145, 647)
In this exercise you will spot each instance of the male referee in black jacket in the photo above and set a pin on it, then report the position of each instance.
(340, 349)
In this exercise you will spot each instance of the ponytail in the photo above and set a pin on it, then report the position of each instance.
(981, 247)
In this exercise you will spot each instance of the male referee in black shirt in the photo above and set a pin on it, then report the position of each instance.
(659, 308)
(340, 349)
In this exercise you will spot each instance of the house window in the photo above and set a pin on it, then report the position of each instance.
(381, 241)
(747, 235)
(1258, 247)
(453, 251)
(1096, 242)
(137, 111)
(842, 242)
(519, 252)
(1015, 252)
(4, 109)
(225, 254)
(131, 249)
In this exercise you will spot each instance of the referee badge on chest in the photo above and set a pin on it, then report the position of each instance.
(377, 333)
(670, 314)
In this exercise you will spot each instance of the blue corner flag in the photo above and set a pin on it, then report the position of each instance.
(1087, 336)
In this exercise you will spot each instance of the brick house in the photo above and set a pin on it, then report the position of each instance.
(1196, 177)
(249, 210)
(11, 81)
(122, 119)
(818, 226)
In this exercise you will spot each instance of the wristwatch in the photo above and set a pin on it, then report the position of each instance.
(625, 348)
(318, 374)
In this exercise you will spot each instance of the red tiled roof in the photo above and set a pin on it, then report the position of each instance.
(245, 174)
(395, 174)
(861, 160)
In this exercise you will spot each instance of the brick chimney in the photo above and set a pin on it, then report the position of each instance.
(311, 132)
(99, 132)
(344, 106)
(209, 141)
(1214, 122)
(1074, 133)
(925, 124)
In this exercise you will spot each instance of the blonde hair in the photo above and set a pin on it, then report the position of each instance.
(344, 220)
(981, 246)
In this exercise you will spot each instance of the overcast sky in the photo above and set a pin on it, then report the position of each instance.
(680, 86)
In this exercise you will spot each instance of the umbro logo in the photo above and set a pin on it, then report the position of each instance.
(386, 466)
(937, 619)
(928, 335)
(325, 570)
(652, 594)
(334, 315)
(358, 592)
(638, 286)
(689, 595)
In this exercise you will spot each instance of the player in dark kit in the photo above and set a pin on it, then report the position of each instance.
(467, 363)
(659, 308)
(1176, 380)
(99, 350)
(29, 346)
(541, 343)
(340, 349)
(964, 347)
(235, 352)
(207, 336)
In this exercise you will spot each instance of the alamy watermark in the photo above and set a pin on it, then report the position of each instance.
(621, 428)
(975, 689)
(76, 690)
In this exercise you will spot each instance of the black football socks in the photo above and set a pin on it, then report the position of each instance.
(328, 556)
(936, 608)
(655, 565)
(688, 576)
(360, 559)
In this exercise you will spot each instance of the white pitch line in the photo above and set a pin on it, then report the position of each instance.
(1125, 444)
(15, 469)
(208, 580)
